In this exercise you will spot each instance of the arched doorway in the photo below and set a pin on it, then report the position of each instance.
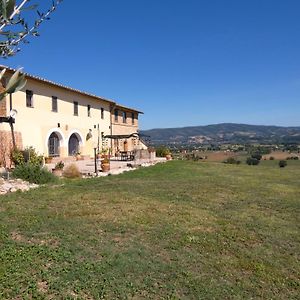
(73, 145)
(53, 145)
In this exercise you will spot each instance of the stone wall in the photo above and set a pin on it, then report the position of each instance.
(145, 154)
(6, 146)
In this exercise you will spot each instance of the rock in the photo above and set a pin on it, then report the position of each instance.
(13, 185)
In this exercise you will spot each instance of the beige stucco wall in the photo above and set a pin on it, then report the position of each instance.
(120, 128)
(37, 123)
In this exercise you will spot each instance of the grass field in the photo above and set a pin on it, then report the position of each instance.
(181, 230)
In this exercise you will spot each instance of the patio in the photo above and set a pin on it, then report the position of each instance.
(87, 166)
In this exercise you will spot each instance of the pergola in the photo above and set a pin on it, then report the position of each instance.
(122, 136)
(124, 155)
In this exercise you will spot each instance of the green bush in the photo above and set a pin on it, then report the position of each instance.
(282, 163)
(232, 160)
(29, 155)
(162, 151)
(251, 161)
(17, 157)
(292, 158)
(33, 173)
(256, 155)
(32, 157)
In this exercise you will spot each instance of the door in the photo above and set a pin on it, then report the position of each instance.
(73, 145)
(53, 145)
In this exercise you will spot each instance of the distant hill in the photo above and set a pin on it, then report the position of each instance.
(224, 133)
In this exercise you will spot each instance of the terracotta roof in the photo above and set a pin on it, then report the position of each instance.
(70, 89)
(125, 107)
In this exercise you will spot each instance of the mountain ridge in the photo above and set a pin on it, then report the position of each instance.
(225, 133)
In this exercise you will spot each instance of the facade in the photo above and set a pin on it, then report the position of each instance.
(59, 121)
(124, 122)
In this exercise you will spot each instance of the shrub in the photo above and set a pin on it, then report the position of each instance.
(17, 157)
(232, 160)
(271, 158)
(29, 155)
(33, 173)
(292, 158)
(282, 163)
(251, 161)
(71, 171)
(32, 157)
(162, 151)
(256, 155)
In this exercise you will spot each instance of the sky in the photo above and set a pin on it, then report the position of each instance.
(183, 62)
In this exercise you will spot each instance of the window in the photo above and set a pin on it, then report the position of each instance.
(124, 116)
(54, 104)
(89, 110)
(116, 115)
(102, 113)
(29, 96)
(75, 108)
(132, 118)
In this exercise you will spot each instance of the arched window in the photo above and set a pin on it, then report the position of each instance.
(53, 145)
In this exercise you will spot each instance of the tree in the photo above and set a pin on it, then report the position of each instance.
(18, 28)
(282, 163)
(251, 161)
(15, 30)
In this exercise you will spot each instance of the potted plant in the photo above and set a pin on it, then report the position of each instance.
(104, 153)
(105, 164)
(48, 160)
(78, 156)
(58, 169)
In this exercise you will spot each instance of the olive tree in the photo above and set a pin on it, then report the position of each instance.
(15, 29)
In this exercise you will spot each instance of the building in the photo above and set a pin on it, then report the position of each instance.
(60, 121)
(124, 128)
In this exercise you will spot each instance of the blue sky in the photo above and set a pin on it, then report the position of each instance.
(183, 63)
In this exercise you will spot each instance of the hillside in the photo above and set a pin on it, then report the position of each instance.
(224, 133)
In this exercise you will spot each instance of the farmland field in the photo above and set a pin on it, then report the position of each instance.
(180, 230)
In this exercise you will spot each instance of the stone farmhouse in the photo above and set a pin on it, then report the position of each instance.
(59, 121)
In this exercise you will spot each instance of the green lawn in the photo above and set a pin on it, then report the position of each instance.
(181, 230)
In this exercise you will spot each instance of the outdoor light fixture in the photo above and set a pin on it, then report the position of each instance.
(13, 113)
(95, 158)
(11, 119)
(89, 135)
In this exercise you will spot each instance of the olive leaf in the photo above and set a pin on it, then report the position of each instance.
(15, 83)
(10, 7)
(2, 73)
(3, 9)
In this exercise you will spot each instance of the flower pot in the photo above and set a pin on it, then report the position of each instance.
(57, 172)
(48, 160)
(105, 167)
(79, 157)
